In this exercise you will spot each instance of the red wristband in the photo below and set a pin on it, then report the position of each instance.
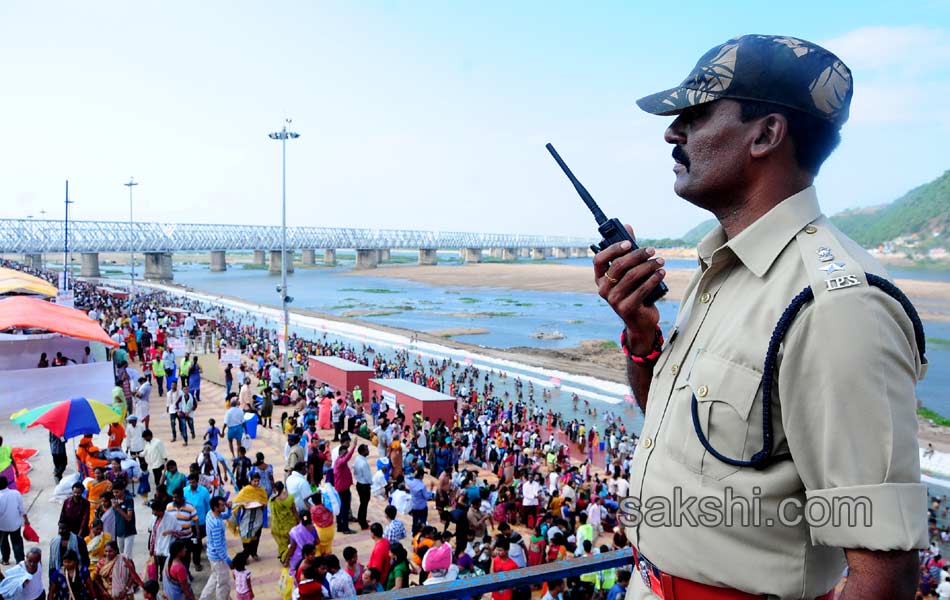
(649, 358)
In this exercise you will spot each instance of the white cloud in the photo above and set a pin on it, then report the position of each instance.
(903, 103)
(902, 51)
(898, 71)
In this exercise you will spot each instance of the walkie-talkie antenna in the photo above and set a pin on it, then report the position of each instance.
(581, 190)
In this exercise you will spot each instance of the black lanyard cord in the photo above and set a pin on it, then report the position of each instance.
(764, 457)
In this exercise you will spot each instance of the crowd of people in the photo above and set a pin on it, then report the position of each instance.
(509, 483)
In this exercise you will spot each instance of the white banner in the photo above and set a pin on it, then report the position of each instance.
(177, 345)
(281, 330)
(389, 399)
(29, 388)
(65, 299)
(230, 355)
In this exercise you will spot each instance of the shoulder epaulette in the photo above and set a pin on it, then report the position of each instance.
(827, 265)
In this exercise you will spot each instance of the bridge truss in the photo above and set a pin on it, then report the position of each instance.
(41, 236)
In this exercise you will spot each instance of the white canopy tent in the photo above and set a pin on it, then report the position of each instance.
(23, 385)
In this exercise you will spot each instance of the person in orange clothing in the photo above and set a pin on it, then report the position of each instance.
(95, 489)
(89, 454)
(116, 435)
(132, 344)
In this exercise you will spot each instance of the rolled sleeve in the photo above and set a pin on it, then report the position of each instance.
(886, 516)
(847, 387)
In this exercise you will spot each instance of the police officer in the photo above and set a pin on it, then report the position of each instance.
(755, 446)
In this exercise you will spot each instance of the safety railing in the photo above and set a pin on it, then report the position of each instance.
(465, 588)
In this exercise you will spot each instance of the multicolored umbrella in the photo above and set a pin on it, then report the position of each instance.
(70, 418)
(24, 417)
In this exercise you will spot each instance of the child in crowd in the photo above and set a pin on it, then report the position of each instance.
(212, 434)
(241, 467)
(242, 577)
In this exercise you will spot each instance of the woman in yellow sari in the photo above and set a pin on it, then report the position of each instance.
(249, 506)
(96, 543)
(283, 516)
(114, 575)
(95, 490)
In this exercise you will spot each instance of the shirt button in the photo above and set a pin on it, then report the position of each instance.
(702, 391)
(675, 369)
(705, 298)
(646, 443)
(810, 229)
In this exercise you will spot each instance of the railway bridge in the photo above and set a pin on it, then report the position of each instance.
(31, 238)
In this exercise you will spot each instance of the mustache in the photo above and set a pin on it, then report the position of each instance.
(679, 155)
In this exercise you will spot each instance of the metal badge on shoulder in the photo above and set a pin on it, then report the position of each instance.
(844, 281)
(831, 268)
(824, 254)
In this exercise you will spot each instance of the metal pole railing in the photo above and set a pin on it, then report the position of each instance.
(462, 588)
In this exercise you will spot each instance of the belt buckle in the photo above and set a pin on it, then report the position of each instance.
(651, 576)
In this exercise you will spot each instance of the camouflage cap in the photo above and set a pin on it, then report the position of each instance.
(768, 68)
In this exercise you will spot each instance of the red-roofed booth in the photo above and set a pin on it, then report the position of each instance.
(340, 374)
(414, 398)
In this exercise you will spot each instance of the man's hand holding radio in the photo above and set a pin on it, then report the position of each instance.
(624, 279)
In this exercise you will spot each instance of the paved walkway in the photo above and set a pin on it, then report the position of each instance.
(267, 571)
(45, 514)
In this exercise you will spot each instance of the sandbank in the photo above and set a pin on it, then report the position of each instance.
(444, 333)
(931, 297)
(370, 312)
(552, 277)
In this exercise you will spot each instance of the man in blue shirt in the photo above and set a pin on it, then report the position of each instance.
(374, 408)
(219, 582)
(420, 499)
(619, 590)
(199, 497)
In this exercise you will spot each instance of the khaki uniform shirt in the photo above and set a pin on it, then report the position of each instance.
(843, 405)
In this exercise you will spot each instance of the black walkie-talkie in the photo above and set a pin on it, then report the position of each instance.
(612, 229)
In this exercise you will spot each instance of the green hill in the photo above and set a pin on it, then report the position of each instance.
(691, 238)
(920, 218)
(694, 235)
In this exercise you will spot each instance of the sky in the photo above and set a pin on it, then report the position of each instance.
(422, 115)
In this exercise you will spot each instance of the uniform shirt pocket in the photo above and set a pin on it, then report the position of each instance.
(725, 392)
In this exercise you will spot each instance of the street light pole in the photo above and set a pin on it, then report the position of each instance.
(66, 242)
(132, 183)
(32, 238)
(42, 254)
(283, 135)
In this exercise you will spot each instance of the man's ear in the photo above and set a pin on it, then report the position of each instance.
(770, 131)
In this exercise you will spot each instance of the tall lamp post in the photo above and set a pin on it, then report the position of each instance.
(29, 219)
(42, 226)
(132, 183)
(66, 242)
(283, 135)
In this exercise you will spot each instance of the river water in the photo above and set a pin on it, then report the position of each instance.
(512, 317)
